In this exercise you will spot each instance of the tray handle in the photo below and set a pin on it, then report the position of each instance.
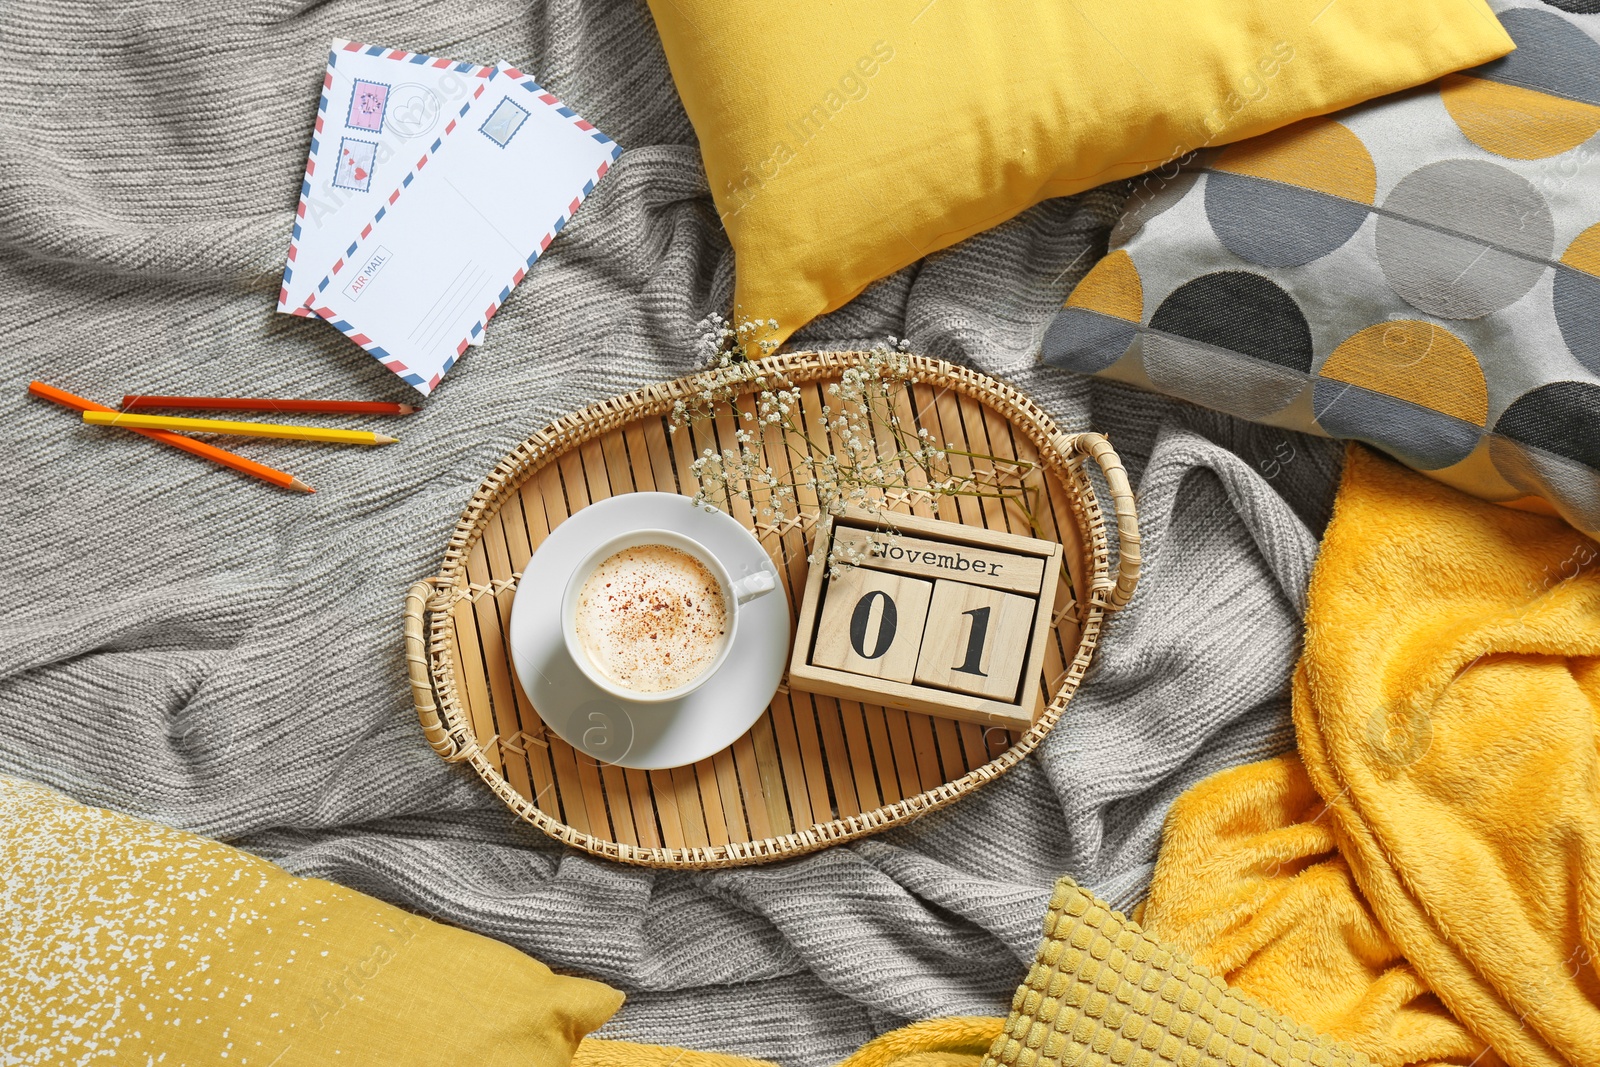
(1096, 447)
(422, 696)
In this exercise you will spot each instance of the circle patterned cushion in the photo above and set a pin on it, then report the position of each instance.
(1420, 272)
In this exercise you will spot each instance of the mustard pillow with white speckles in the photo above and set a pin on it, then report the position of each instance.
(127, 942)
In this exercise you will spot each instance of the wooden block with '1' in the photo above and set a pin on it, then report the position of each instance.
(871, 624)
(976, 640)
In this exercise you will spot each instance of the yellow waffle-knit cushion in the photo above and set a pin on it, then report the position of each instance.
(126, 942)
(1102, 991)
(845, 140)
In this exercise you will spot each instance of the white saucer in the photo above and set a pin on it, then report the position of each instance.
(647, 736)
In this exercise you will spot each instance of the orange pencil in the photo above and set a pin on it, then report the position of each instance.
(135, 402)
(177, 440)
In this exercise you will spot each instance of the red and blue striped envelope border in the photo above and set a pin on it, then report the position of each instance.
(427, 385)
(471, 70)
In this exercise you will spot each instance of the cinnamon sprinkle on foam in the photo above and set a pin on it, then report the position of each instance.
(651, 618)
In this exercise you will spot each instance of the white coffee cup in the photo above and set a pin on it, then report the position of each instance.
(734, 593)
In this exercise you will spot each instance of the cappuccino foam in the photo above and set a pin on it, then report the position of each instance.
(651, 618)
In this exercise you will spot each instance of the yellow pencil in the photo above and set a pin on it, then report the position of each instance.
(236, 429)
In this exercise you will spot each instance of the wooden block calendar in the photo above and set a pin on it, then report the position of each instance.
(939, 617)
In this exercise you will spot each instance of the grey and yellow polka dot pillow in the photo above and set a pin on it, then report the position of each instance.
(1421, 272)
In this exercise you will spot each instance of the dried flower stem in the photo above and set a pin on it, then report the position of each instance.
(768, 448)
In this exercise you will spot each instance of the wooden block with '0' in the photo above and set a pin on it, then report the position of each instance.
(871, 624)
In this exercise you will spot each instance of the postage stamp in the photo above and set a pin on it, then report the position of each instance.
(504, 122)
(368, 102)
(354, 169)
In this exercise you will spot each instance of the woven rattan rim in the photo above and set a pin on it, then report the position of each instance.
(428, 603)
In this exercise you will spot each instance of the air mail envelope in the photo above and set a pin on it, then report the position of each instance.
(463, 228)
(380, 110)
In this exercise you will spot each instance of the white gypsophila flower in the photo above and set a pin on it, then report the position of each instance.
(859, 446)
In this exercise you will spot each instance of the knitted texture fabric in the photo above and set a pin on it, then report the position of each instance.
(1101, 992)
(1422, 879)
(191, 646)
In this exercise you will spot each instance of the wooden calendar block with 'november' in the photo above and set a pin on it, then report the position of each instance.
(936, 617)
(937, 559)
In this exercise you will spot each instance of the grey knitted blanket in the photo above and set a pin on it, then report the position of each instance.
(191, 646)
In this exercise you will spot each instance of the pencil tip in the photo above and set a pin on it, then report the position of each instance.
(300, 486)
(407, 409)
(383, 439)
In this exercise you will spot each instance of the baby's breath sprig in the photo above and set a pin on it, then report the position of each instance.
(786, 459)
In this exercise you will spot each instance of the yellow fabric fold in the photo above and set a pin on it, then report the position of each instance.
(1250, 881)
(599, 1052)
(1423, 879)
(959, 1041)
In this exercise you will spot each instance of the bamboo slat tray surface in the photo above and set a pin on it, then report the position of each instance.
(814, 770)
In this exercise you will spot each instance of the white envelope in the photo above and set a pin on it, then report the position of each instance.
(380, 110)
(461, 230)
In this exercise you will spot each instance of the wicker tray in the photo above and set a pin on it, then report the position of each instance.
(814, 770)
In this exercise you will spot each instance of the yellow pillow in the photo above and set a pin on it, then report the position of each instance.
(122, 941)
(844, 140)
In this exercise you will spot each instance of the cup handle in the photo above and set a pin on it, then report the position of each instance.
(758, 583)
